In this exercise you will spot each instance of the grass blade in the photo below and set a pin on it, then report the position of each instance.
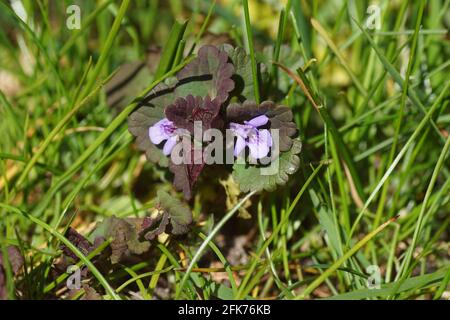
(398, 78)
(109, 290)
(249, 37)
(208, 239)
(342, 259)
(170, 48)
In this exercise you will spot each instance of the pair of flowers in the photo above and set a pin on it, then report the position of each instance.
(248, 134)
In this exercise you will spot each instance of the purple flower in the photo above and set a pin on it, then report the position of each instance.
(164, 130)
(248, 135)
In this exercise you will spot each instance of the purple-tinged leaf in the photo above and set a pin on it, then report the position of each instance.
(185, 111)
(90, 293)
(125, 237)
(186, 174)
(78, 241)
(180, 214)
(163, 222)
(211, 71)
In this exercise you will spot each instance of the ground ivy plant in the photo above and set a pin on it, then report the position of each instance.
(216, 89)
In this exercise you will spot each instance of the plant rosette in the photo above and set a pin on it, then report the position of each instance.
(212, 96)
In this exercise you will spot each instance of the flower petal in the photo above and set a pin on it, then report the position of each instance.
(258, 121)
(158, 132)
(168, 146)
(240, 145)
(260, 144)
(266, 136)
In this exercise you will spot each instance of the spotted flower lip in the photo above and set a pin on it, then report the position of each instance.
(259, 141)
(161, 131)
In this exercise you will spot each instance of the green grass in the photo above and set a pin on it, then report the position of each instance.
(374, 182)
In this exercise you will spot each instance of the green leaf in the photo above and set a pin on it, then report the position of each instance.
(125, 235)
(118, 205)
(170, 48)
(223, 292)
(411, 284)
(139, 123)
(163, 222)
(253, 177)
(242, 77)
(328, 224)
(180, 214)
